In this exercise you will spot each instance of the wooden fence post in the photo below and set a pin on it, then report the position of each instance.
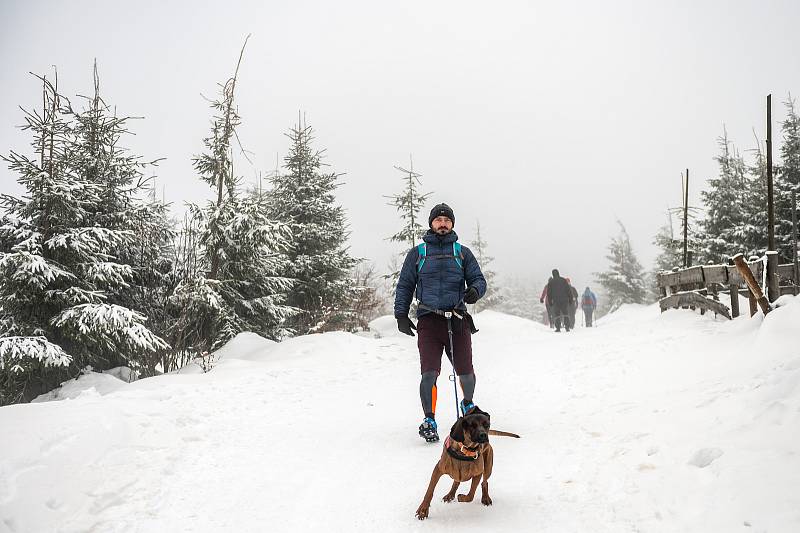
(734, 300)
(773, 288)
(753, 302)
(755, 290)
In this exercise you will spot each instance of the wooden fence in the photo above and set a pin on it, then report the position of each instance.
(711, 281)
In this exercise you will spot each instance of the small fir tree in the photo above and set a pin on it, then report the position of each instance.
(754, 231)
(723, 226)
(61, 275)
(234, 251)
(319, 260)
(624, 281)
(493, 297)
(408, 203)
(133, 274)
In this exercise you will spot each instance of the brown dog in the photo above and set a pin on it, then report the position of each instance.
(467, 455)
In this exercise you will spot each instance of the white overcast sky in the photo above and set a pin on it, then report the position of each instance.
(546, 121)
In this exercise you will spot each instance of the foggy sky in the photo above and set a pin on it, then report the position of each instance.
(546, 121)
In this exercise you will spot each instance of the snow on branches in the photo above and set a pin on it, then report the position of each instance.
(109, 326)
(17, 350)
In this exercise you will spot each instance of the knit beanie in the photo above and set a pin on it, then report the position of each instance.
(441, 210)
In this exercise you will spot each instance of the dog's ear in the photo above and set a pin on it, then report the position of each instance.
(457, 431)
(477, 411)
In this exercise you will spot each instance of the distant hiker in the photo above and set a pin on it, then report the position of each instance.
(588, 304)
(443, 275)
(548, 317)
(558, 296)
(573, 303)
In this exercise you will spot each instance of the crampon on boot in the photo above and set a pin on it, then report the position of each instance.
(427, 430)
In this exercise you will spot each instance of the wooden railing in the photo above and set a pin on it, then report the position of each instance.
(709, 281)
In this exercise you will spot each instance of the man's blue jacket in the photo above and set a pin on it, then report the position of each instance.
(441, 283)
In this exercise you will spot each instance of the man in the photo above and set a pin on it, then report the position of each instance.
(443, 275)
(573, 303)
(588, 304)
(559, 296)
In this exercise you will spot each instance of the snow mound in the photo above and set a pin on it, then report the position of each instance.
(89, 383)
(385, 326)
(246, 346)
(122, 373)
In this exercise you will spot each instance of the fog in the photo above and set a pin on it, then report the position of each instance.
(546, 121)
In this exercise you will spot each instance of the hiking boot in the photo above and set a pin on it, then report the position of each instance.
(465, 407)
(427, 430)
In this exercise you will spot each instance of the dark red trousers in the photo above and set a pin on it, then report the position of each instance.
(432, 339)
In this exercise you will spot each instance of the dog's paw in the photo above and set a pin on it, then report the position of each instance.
(464, 498)
(486, 500)
(422, 512)
(447, 498)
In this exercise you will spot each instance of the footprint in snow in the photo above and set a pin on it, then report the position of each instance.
(704, 457)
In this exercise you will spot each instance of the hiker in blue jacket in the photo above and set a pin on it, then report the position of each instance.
(588, 304)
(443, 276)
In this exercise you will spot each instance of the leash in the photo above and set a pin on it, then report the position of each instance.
(449, 316)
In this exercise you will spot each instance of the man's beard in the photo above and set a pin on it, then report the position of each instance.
(442, 231)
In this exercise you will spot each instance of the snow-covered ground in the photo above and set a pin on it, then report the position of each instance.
(649, 422)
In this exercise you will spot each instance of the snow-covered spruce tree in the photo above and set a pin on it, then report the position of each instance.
(234, 283)
(725, 200)
(624, 281)
(133, 276)
(408, 203)
(57, 266)
(670, 249)
(320, 262)
(493, 297)
(754, 231)
(670, 255)
(787, 180)
(669, 241)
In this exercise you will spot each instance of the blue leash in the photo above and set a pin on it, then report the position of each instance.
(449, 316)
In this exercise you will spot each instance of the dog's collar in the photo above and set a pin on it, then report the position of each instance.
(463, 453)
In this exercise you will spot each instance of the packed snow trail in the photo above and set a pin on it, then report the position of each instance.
(649, 422)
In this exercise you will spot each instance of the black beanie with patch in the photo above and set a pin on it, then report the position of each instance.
(441, 210)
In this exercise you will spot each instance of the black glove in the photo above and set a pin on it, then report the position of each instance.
(405, 325)
(472, 295)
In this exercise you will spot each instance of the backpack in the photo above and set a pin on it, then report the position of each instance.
(422, 252)
(587, 300)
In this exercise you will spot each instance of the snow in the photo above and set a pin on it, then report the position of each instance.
(649, 422)
(90, 384)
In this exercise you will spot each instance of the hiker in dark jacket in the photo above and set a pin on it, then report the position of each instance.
(559, 296)
(443, 276)
(588, 304)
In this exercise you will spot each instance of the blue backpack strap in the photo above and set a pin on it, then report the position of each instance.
(421, 253)
(457, 254)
